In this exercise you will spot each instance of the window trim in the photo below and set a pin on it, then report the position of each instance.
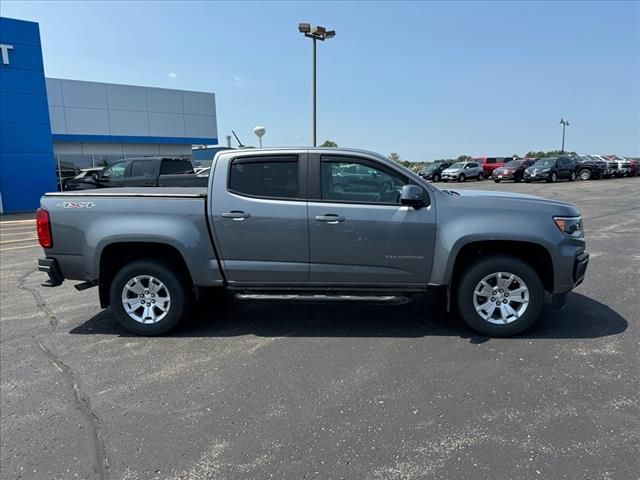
(275, 157)
(315, 176)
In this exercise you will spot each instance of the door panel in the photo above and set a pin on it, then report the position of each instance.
(142, 173)
(261, 240)
(366, 237)
(373, 244)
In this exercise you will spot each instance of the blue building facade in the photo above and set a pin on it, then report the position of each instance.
(25, 128)
(52, 128)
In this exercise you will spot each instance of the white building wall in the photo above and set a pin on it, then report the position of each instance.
(91, 108)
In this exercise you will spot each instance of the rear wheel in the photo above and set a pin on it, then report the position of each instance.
(584, 174)
(517, 178)
(572, 177)
(500, 296)
(149, 297)
(496, 180)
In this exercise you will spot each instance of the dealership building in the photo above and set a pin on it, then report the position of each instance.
(51, 126)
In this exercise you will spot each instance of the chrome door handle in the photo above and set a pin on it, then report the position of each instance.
(236, 215)
(330, 218)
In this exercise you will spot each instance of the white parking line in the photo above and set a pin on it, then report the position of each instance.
(17, 241)
(2, 234)
(15, 222)
(18, 248)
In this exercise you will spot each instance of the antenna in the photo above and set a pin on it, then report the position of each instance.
(237, 139)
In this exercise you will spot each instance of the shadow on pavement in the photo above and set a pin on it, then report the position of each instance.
(582, 317)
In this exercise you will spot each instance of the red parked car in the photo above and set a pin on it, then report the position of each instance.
(489, 164)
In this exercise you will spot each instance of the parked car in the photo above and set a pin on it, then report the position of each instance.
(65, 171)
(612, 166)
(513, 170)
(360, 178)
(434, 171)
(551, 169)
(462, 171)
(588, 168)
(633, 167)
(147, 172)
(489, 164)
(624, 166)
(84, 180)
(269, 226)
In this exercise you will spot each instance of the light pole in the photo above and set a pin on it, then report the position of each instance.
(315, 32)
(565, 124)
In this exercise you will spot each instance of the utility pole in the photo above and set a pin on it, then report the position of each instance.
(564, 123)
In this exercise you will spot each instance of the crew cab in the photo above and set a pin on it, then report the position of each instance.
(146, 172)
(271, 224)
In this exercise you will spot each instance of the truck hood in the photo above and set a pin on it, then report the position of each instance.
(508, 198)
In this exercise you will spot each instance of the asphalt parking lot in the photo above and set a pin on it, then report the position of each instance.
(283, 390)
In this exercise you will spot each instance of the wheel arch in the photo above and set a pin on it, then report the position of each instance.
(116, 255)
(534, 254)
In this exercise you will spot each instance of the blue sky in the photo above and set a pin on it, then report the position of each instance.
(424, 79)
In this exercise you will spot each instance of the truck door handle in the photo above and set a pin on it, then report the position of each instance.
(237, 215)
(330, 218)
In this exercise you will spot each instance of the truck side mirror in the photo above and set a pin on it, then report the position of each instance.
(413, 195)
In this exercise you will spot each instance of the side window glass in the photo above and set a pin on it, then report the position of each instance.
(267, 177)
(115, 171)
(142, 168)
(379, 185)
(170, 166)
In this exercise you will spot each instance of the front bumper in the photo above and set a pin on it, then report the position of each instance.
(50, 267)
(580, 268)
(537, 176)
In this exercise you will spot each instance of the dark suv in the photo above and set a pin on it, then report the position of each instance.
(434, 172)
(590, 167)
(513, 170)
(551, 169)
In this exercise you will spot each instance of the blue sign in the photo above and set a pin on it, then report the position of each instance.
(26, 146)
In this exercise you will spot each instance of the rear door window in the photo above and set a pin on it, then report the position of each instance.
(265, 177)
(170, 166)
(142, 168)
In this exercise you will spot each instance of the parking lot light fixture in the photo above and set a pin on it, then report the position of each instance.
(315, 32)
(565, 124)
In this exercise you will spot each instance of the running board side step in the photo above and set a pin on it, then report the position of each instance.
(388, 299)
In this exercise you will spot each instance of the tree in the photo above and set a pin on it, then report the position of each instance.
(329, 143)
(395, 157)
(463, 158)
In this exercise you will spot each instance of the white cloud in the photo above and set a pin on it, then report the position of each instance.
(237, 79)
(172, 75)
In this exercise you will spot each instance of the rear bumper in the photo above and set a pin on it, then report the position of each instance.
(50, 267)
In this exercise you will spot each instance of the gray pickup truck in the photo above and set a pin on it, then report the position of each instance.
(279, 224)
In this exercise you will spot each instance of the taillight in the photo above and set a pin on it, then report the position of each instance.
(43, 226)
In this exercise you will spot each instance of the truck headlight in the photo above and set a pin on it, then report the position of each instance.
(571, 226)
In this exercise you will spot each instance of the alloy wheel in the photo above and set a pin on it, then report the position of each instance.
(501, 298)
(146, 299)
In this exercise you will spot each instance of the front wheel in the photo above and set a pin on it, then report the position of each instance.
(436, 178)
(480, 177)
(461, 177)
(496, 180)
(585, 174)
(500, 296)
(148, 297)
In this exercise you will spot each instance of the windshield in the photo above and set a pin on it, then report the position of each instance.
(545, 163)
(457, 165)
(514, 163)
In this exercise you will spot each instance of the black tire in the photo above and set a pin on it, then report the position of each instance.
(436, 178)
(517, 178)
(462, 178)
(177, 286)
(480, 177)
(496, 180)
(585, 174)
(572, 177)
(553, 177)
(527, 181)
(478, 270)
